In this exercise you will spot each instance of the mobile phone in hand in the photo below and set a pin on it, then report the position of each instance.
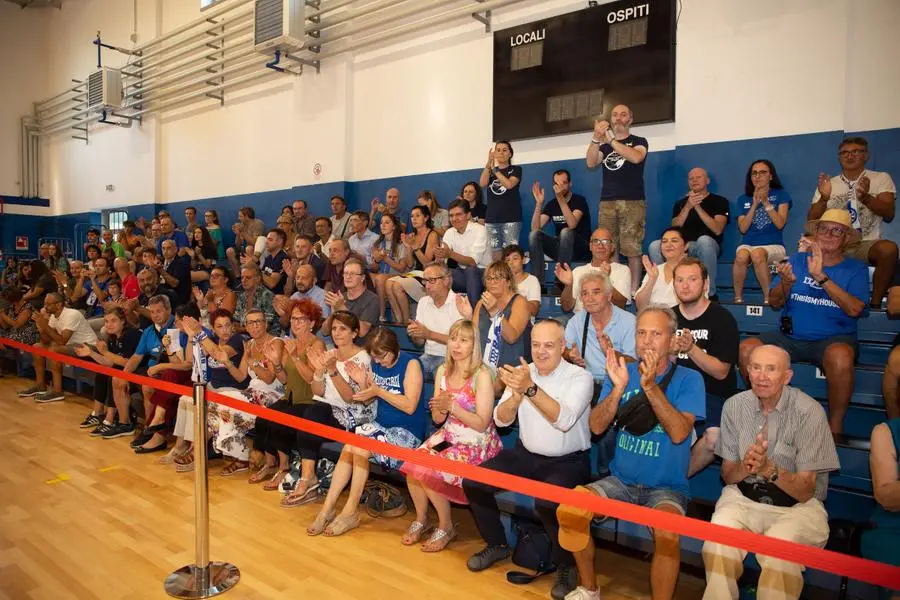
(440, 447)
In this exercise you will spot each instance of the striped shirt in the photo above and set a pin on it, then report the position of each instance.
(798, 434)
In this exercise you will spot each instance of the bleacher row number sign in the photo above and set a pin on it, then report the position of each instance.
(556, 301)
(819, 373)
(754, 311)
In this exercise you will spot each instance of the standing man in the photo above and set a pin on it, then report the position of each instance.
(190, 217)
(702, 217)
(176, 272)
(169, 232)
(571, 223)
(109, 242)
(273, 268)
(466, 245)
(622, 207)
(870, 197)
(304, 224)
(340, 219)
(776, 456)
(436, 313)
(391, 206)
(551, 400)
(708, 336)
(246, 231)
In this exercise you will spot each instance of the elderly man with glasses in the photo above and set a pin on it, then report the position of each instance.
(822, 294)
(602, 248)
(436, 313)
(255, 295)
(870, 197)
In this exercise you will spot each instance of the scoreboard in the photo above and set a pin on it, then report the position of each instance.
(557, 75)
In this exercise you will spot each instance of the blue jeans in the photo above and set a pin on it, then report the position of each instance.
(705, 248)
(642, 495)
(468, 281)
(569, 245)
(430, 363)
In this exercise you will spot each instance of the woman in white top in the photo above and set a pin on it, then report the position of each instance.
(440, 218)
(335, 407)
(526, 284)
(658, 285)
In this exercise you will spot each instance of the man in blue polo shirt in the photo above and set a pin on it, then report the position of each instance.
(150, 351)
(653, 448)
(170, 233)
(822, 294)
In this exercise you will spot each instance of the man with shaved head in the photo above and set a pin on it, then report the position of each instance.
(390, 206)
(622, 206)
(551, 400)
(776, 451)
(702, 216)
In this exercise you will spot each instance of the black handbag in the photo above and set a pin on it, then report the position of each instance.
(533, 551)
(637, 416)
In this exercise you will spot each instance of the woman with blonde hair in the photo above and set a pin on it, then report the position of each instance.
(463, 405)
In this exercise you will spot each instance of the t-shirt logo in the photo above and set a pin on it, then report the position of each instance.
(614, 161)
(497, 188)
(761, 218)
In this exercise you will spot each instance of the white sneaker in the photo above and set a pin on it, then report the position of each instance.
(582, 593)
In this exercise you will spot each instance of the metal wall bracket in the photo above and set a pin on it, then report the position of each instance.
(485, 18)
(316, 64)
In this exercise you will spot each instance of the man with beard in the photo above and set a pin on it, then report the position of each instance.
(138, 309)
(391, 206)
(652, 448)
(305, 284)
(622, 207)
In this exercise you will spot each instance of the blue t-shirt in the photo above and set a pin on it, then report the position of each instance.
(623, 180)
(150, 344)
(392, 380)
(218, 375)
(814, 315)
(275, 264)
(620, 330)
(762, 231)
(503, 205)
(653, 459)
(180, 238)
(576, 202)
(94, 308)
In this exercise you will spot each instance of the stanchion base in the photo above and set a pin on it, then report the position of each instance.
(191, 582)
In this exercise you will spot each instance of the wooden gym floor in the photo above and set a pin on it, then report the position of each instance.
(86, 518)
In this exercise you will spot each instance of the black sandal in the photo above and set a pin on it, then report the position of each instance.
(157, 448)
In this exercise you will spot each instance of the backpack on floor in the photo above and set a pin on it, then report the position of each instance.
(533, 552)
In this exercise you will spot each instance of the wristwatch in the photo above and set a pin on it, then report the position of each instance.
(824, 280)
(532, 391)
(774, 476)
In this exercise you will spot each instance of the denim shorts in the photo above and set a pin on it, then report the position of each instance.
(642, 495)
(501, 235)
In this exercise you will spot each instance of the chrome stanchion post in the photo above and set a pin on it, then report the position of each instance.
(203, 579)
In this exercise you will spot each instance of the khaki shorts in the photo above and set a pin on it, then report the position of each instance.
(775, 253)
(626, 219)
(861, 250)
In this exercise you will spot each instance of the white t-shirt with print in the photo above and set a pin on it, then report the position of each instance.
(842, 197)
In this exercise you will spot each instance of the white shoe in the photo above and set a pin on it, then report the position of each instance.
(582, 593)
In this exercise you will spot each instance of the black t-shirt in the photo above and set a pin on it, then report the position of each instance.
(716, 333)
(180, 269)
(576, 202)
(219, 377)
(125, 344)
(479, 211)
(274, 264)
(503, 205)
(622, 180)
(694, 226)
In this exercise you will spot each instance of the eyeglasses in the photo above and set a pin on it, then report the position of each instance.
(431, 280)
(832, 231)
(857, 152)
(758, 173)
(495, 278)
(256, 322)
(596, 242)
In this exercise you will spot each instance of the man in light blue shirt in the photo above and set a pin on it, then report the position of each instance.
(607, 325)
(362, 240)
(305, 282)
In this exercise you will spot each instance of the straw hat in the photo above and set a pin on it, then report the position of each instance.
(839, 216)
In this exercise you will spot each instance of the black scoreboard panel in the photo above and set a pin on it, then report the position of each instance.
(557, 75)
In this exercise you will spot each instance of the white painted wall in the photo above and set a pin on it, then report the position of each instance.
(23, 79)
(422, 105)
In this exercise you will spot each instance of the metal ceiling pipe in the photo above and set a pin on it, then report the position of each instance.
(407, 11)
(65, 111)
(243, 53)
(160, 93)
(373, 8)
(58, 98)
(412, 27)
(240, 43)
(211, 14)
(207, 38)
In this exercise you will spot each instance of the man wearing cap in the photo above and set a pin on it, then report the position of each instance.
(870, 198)
(821, 294)
(654, 404)
(776, 456)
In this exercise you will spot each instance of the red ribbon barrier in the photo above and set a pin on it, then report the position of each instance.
(869, 571)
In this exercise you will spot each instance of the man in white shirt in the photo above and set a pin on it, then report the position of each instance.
(340, 218)
(551, 399)
(362, 240)
(436, 313)
(602, 248)
(870, 197)
(61, 329)
(466, 245)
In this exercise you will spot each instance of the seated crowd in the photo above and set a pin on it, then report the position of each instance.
(290, 318)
